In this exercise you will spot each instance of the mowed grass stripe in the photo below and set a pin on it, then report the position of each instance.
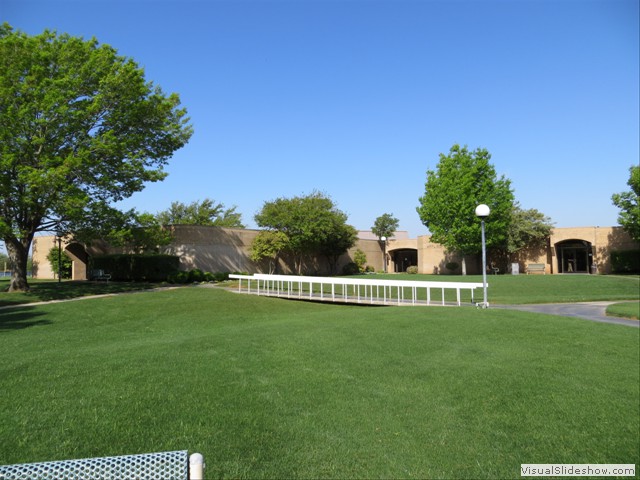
(268, 388)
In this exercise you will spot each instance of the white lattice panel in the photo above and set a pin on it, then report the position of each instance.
(148, 466)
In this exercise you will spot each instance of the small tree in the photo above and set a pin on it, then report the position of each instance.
(268, 244)
(4, 261)
(360, 259)
(462, 181)
(629, 204)
(60, 263)
(385, 226)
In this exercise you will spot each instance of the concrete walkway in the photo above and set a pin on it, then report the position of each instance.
(594, 311)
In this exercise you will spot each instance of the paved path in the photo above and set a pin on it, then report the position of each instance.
(594, 311)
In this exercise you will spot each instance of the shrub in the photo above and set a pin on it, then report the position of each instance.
(452, 266)
(65, 266)
(220, 276)
(627, 261)
(413, 269)
(351, 268)
(178, 277)
(360, 259)
(196, 275)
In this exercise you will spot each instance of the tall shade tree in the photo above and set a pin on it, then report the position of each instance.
(205, 212)
(80, 128)
(461, 181)
(629, 204)
(311, 223)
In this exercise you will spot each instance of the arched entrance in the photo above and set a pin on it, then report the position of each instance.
(574, 256)
(404, 258)
(79, 256)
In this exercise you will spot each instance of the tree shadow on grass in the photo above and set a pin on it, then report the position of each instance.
(20, 318)
(47, 291)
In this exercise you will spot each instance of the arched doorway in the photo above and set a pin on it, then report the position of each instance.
(404, 258)
(574, 256)
(79, 256)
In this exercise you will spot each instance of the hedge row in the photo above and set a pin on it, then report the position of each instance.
(137, 268)
(196, 275)
(627, 261)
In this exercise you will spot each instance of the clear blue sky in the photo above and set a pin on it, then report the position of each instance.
(357, 98)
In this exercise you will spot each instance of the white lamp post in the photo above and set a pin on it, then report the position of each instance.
(59, 239)
(482, 212)
(384, 253)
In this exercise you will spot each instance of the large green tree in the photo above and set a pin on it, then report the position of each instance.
(312, 225)
(80, 128)
(462, 180)
(629, 204)
(205, 212)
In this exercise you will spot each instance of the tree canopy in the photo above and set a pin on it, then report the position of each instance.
(311, 224)
(461, 181)
(629, 204)
(80, 128)
(385, 226)
(268, 244)
(205, 212)
(528, 228)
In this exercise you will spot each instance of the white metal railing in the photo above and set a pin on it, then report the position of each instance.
(149, 466)
(353, 290)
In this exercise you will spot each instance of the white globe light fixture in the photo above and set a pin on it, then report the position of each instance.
(482, 212)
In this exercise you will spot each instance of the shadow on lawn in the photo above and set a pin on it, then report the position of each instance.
(20, 318)
(48, 291)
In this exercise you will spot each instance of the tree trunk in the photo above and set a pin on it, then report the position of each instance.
(18, 252)
(464, 266)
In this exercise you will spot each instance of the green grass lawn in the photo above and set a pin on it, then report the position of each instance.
(503, 289)
(269, 388)
(625, 310)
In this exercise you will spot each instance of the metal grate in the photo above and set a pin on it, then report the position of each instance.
(151, 466)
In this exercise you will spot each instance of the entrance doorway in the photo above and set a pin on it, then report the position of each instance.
(78, 254)
(403, 259)
(574, 256)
